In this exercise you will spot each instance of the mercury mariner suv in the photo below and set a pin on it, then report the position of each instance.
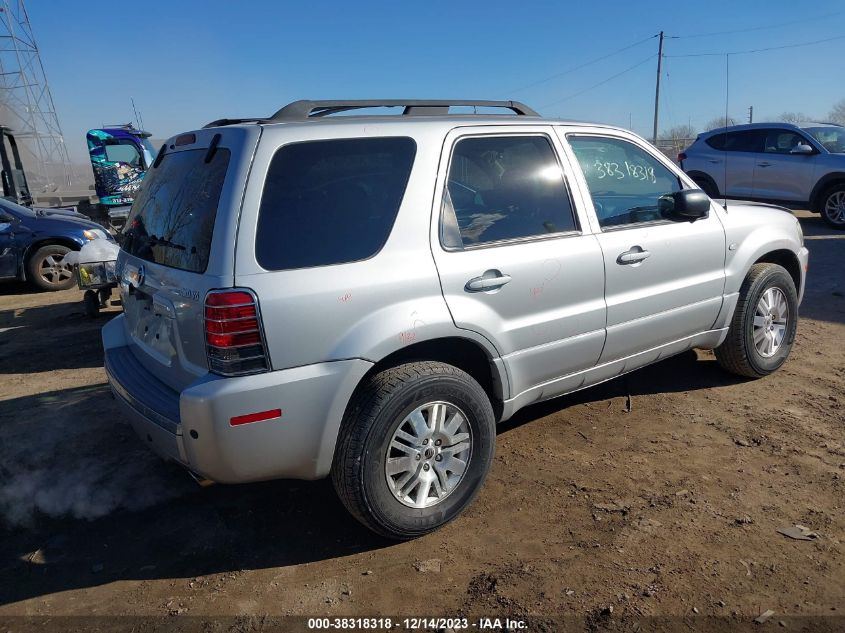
(330, 292)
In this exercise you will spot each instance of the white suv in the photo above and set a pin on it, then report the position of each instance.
(367, 296)
(794, 165)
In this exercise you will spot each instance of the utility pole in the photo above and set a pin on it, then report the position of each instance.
(657, 88)
(751, 114)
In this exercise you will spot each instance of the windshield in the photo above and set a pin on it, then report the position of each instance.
(16, 209)
(833, 138)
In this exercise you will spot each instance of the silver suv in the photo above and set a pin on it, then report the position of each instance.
(795, 165)
(367, 296)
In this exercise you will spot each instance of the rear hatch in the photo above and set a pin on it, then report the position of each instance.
(178, 244)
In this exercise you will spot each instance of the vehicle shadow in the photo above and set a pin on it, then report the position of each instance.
(9, 288)
(50, 337)
(85, 503)
(685, 372)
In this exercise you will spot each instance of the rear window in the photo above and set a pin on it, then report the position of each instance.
(172, 217)
(331, 202)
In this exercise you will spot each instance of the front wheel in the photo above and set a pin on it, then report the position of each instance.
(48, 270)
(415, 446)
(833, 207)
(764, 323)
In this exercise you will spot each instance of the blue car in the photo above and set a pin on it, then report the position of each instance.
(34, 242)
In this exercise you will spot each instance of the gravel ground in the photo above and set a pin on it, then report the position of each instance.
(657, 494)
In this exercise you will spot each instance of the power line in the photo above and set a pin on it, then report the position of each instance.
(761, 50)
(580, 66)
(758, 28)
(601, 83)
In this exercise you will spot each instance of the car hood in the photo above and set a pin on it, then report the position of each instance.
(60, 219)
(748, 204)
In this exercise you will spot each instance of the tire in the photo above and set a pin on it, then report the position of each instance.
(45, 269)
(739, 354)
(707, 186)
(368, 437)
(832, 207)
(91, 302)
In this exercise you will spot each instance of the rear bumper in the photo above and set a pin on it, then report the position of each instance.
(193, 427)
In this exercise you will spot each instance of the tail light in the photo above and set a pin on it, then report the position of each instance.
(682, 157)
(234, 334)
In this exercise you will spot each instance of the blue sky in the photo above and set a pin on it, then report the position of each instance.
(189, 62)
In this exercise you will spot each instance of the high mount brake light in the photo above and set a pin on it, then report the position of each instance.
(234, 336)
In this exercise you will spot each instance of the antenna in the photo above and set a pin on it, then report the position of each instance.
(135, 110)
(727, 101)
(751, 114)
(657, 87)
(26, 104)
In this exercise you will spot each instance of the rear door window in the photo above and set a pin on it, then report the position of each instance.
(504, 188)
(748, 141)
(172, 218)
(331, 202)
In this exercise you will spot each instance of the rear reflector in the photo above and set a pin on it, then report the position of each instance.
(249, 418)
(234, 336)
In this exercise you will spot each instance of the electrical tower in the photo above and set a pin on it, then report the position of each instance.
(26, 105)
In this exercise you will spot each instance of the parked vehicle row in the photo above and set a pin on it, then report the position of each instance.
(365, 297)
(796, 165)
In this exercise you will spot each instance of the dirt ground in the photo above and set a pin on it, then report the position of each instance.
(592, 511)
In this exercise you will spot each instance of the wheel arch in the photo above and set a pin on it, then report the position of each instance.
(788, 260)
(47, 241)
(464, 353)
(825, 183)
(697, 175)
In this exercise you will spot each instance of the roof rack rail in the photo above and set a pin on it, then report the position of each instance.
(305, 109)
(222, 122)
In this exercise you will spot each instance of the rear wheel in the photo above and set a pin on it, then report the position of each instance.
(707, 186)
(415, 446)
(764, 323)
(47, 269)
(833, 206)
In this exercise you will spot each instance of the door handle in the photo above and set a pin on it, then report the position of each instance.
(714, 161)
(490, 280)
(764, 164)
(633, 256)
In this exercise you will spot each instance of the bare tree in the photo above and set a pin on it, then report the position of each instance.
(720, 121)
(794, 117)
(678, 132)
(837, 114)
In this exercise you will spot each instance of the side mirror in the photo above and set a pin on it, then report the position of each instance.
(802, 149)
(689, 204)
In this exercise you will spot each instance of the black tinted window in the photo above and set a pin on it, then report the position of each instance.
(748, 141)
(172, 217)
(625, 181)
(330, 202)
(502, 188)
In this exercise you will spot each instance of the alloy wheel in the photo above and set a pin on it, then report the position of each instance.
(834, 207)
(53, 270)
(428, 454)
(770, 321)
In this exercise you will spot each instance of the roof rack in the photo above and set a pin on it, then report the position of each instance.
(305, 109)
